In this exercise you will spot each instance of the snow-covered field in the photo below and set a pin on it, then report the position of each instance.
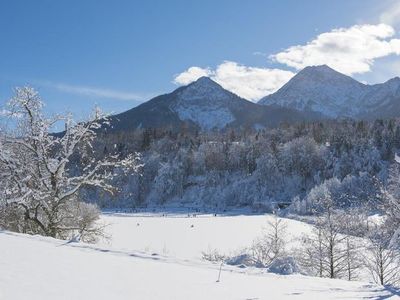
(186, 237)
(33, 267)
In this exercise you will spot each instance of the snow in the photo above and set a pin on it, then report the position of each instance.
(178, 236)
(40, 268)
(397, 158)
(206, 117)
(174, 235)
(205, 103)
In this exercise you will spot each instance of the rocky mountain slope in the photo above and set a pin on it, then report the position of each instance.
(322, 89)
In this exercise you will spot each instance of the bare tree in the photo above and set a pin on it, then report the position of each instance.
(271, 244)
(311, 255)
(352, 259)
(383, 249)
(324, 250)
(352, 225)
(42, 173)
(331, 250)
(382, 260)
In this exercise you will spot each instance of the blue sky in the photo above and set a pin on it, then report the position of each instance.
(118, 54)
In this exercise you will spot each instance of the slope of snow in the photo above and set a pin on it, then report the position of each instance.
(206, 117)
(205, 103)
(39, 268)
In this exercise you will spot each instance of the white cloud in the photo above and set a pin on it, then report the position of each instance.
(95, 91)
(349, 50)
(248, 82)
(391, 15)
(192, 74)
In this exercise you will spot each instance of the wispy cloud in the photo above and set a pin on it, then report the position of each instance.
(96, 92)
(259, 53)
(391, 15)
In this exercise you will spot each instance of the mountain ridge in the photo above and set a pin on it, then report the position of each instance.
(333, 94)
(316, 92)
(205, 105)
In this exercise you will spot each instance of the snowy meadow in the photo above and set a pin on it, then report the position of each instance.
(189, 235)
(156, 256)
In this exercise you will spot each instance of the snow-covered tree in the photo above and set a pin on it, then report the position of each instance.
(302, 156)
(247, 166)
(42, 172)
(168, 183)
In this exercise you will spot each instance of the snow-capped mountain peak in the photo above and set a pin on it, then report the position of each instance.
(324, 90)
(204, 89)
(205, 103)
(325, 75)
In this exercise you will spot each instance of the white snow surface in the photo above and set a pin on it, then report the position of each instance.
(173, 234)
(33, 267)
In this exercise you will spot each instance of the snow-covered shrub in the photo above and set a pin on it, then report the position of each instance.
(284, 266)
(244, 260)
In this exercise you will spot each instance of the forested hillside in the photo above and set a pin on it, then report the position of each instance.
(253, 168)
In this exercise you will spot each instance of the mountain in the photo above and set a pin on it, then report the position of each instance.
(314, 93)
(333, 94)
(204, 105)
(382, 100)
